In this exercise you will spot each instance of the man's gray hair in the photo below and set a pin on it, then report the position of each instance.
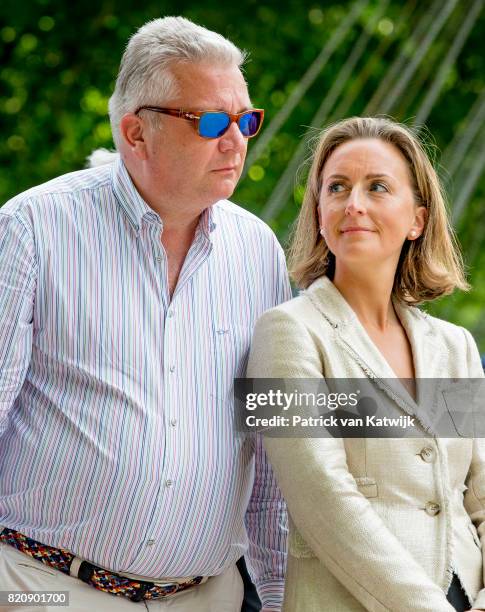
(145, 77)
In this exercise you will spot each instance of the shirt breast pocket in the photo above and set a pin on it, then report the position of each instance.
(231, 342)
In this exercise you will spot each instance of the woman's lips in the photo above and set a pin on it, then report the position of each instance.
(352, 230)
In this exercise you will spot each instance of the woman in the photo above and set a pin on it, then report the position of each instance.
(375, 524)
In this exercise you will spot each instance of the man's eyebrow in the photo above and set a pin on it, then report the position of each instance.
(219, 109)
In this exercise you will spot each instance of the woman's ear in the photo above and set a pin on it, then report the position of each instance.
(417, 228)
(320, 217)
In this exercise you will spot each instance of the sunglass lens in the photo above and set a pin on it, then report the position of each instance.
(249, 123)
(213, 125)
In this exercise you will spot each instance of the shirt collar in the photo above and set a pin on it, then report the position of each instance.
(135, 207)
(130, 201)
(207, 223)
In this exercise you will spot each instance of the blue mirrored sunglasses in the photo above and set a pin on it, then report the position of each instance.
(213, 124)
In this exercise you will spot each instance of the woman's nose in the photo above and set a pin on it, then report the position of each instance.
(356, 203)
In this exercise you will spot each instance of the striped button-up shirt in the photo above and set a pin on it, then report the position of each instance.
(116, 401)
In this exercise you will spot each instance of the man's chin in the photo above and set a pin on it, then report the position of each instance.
(226, 190)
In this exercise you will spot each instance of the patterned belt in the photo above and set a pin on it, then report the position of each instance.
(99, 578)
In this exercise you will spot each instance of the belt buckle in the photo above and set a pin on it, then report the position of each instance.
(140, 592)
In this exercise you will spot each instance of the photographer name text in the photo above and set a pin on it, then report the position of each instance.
(403, 421)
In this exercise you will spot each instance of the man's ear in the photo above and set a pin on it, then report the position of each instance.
(133, 132)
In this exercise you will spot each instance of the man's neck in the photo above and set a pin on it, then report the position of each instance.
(179, 219)
(177, 233)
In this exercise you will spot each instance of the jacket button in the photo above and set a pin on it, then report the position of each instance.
(432, 508)
(428, 454)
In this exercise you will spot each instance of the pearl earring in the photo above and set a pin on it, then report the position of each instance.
(322, 231)
(412, 234)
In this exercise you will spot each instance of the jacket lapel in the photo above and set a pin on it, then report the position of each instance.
(428, 355)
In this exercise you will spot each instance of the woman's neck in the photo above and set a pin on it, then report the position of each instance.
(369, 294)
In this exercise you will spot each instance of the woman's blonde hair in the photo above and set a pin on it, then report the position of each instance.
(431, 265)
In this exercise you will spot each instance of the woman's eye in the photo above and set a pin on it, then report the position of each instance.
(335, 187)
(379, 187)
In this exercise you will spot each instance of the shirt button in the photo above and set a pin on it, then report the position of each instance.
(428, 454)
(432, 508)
(168, 483)
(150, 542)
(172, 369)
(173, 422)
(170, 314)
(158, 259)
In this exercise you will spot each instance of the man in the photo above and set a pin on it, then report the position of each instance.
(128, 294)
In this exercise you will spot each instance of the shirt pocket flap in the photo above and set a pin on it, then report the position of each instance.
(367, 486)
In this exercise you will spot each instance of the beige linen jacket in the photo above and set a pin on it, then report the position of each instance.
(363, 535)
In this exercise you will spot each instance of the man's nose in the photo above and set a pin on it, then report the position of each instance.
(233, 139)
(356, 203)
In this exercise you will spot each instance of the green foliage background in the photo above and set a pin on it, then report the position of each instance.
(59, 62)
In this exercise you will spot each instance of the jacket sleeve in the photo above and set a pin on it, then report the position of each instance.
(334, 518)
(18, 272)
(475, 493)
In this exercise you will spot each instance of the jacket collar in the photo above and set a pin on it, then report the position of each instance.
(428, 353)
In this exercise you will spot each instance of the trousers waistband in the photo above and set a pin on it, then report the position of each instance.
(98, 577)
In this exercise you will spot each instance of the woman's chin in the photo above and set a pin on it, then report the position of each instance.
(357, 256)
